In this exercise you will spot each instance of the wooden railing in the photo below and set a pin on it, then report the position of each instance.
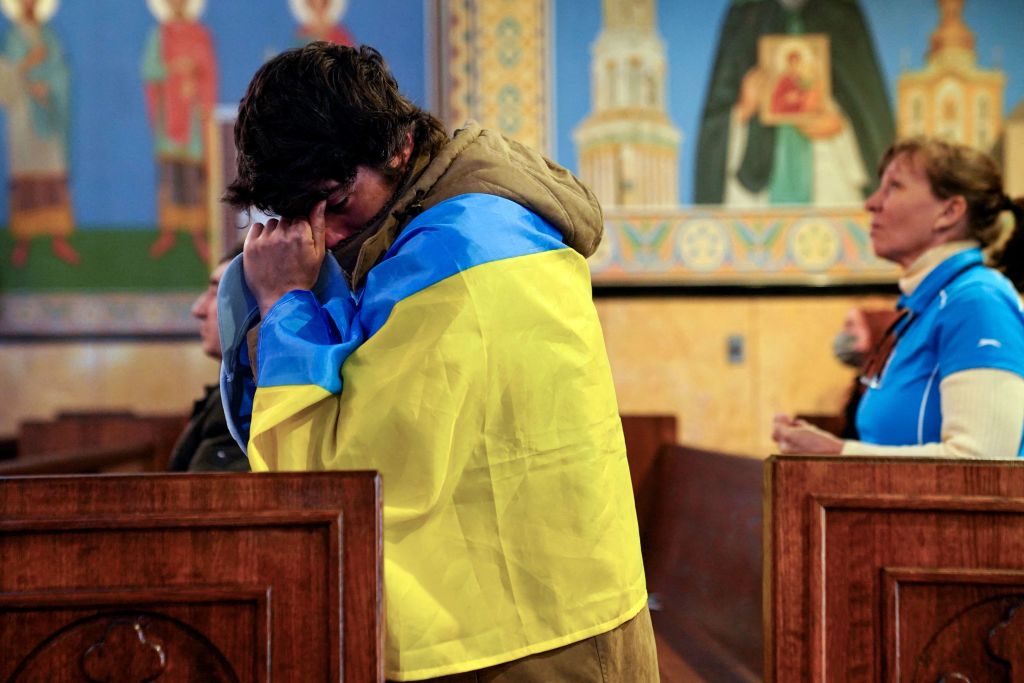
(138, 457)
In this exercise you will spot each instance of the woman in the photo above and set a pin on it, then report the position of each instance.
(948, 379)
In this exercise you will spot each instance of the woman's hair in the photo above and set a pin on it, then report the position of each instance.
(315, 113)
(958, 170)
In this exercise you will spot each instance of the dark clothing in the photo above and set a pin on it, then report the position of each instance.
(206, 445)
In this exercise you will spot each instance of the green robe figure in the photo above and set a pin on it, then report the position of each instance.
(743, 162)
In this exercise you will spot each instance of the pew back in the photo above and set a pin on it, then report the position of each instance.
(645, 435)
(207, 577)
(703, 560)
(898, 569)
(73, 431)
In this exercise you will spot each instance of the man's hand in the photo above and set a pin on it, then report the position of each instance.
(802, 438)
(283, 255)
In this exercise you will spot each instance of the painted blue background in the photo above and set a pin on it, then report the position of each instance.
(690, 29)
(113, 175)
(112, 169)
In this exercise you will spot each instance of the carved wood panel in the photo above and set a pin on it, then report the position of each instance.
(895, 570)
(216, 634)
(175, 578)
(953, 623)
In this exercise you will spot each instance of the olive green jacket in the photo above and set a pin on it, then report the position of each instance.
(477, 160)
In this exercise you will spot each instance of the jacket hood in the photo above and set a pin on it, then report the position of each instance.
(484, 161)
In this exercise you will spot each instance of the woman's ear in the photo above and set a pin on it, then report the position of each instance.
(952, 215)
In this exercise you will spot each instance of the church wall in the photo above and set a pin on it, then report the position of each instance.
(40, 379)
(668, 355)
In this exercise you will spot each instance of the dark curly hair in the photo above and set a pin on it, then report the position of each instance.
(315, 113)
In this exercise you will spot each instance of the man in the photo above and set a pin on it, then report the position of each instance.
(452, 345)
(206, 445)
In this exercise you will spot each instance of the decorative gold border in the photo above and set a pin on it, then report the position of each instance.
(715, 246)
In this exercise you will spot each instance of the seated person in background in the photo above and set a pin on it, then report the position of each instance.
(206, 445)
(451, 343)
(948, 378)
(863, 329)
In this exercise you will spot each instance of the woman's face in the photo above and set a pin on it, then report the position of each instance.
(905, 213)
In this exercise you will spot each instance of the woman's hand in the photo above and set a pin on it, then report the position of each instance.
(800, 437)
(283, 255)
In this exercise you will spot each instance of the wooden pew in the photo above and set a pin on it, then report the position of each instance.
(645, 435)
(898, 569)
(175, 578)
(129, 458)
(73, 431)
(8, 447)
(702, 554)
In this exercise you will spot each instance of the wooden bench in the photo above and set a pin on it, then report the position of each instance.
(645, 436)
(128, 458)
(702, 554)
(178, 577)
(75, 431)
(894, 569)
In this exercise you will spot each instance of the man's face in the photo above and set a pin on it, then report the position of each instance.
(204, 309)
(352, 208)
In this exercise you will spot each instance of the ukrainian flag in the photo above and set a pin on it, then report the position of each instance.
(470, 371)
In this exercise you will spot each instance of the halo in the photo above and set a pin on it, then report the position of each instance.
(785, 48)
(45, 9)
(161, 11)
(335, 8)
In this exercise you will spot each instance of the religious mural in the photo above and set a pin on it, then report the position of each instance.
(952, 96)
(35, 93)
(179, 70)
(115, 105)
(628, 146)
(794, 115)
(730, 142)
(748, 154)
(320, 20)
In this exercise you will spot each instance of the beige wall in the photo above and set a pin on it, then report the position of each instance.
(668, 355)
(37, 380)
